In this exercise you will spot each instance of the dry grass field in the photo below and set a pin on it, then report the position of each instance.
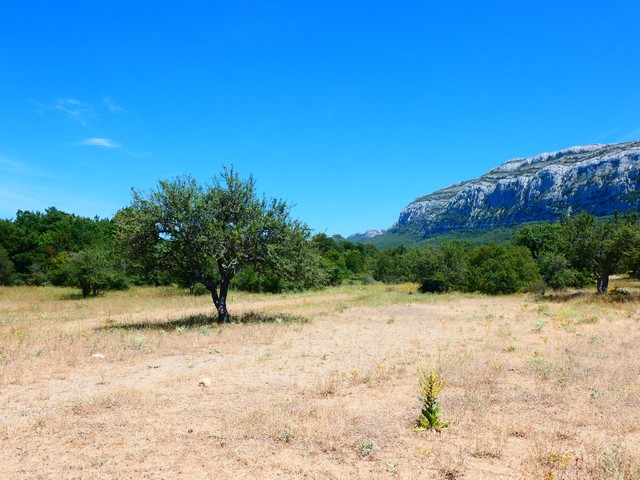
(320, 385)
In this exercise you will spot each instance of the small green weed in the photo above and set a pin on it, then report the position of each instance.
(541, 366)
(538, 325)
(20, 334)
(205, 329)
(286, 435)
(139, 342)
(366, 447)
(431, 384)
(618, 466)
(543, 309)
(588, 320)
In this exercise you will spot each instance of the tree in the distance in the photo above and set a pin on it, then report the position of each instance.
(501, 269)
(94, 270)
(210, 233)
(577, 250)
(603, 248)
(6, 268)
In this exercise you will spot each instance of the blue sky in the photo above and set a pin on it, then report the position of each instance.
(347, 109)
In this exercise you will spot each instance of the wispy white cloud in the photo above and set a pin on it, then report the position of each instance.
(100, 142)
(74, 109)
(111, 105)
(77, 110)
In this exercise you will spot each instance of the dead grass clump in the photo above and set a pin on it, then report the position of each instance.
(330, 385)
(451, 464)
(619, 464)
(490, 446)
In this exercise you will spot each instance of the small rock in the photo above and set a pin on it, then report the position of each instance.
(97, 355)
(204, 382)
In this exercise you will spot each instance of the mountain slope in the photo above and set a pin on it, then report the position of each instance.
(596, 178)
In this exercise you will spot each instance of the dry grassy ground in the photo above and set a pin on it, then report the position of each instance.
(118, 386)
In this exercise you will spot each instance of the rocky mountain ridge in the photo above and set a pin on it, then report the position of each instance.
(595, 178)
(368, 235)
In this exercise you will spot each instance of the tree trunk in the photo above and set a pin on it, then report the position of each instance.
(221, 306)
(603, 282)
(219, 299)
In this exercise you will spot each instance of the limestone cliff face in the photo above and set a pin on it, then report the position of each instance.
(596, 178)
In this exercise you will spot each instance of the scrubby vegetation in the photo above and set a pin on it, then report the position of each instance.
(572, 253)
(61, 249)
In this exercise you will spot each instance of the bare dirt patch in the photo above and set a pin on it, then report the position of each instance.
(140, 384)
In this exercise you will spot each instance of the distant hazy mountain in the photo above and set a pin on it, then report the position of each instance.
(596, 178)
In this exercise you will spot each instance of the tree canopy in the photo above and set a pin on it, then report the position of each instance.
(37, 245)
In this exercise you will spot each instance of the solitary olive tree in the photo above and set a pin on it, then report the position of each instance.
(210, 233)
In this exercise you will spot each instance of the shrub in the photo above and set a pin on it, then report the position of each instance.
(497, 269)
(198, 289)
(433, 285)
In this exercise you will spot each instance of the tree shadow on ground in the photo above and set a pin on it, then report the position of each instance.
(614, 296)
(205, 319)
(78, 295)
(72, 296)
(564, 297)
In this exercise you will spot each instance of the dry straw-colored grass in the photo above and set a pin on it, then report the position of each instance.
(141, 384)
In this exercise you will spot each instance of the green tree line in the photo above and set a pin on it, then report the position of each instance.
(54, 248)
(63, 249)
(170, 236)
(575, 252)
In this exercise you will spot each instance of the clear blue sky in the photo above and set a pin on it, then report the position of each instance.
(347, 109)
